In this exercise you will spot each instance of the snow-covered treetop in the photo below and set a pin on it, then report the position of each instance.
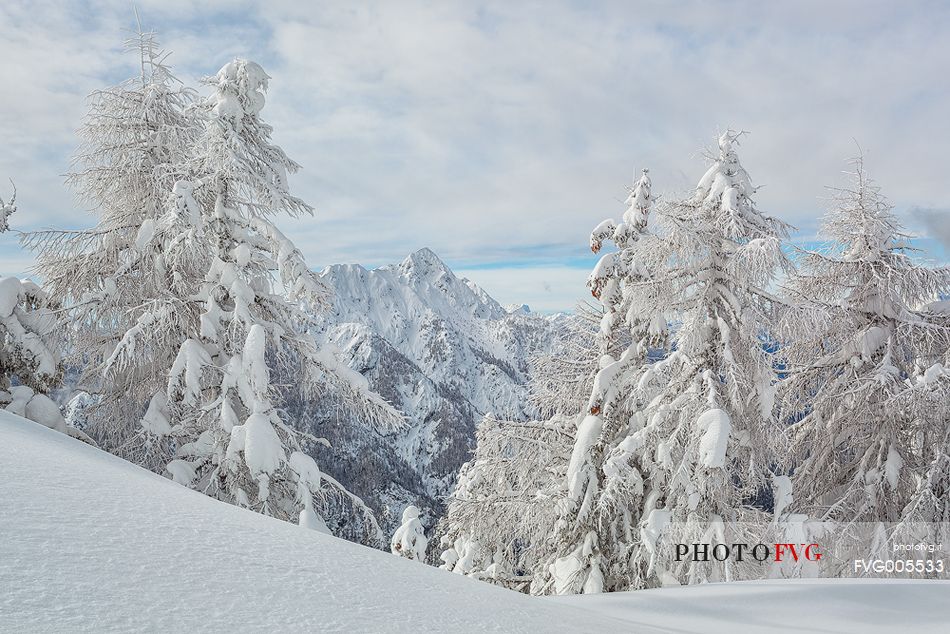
(726, 191)
(862, 221)
(154, 70)
(607, 278)
(133, 141)
(246, 171)
(239, 90)
(634, 222)
(7, 208)
(725, 180)
(868, 265)
(618, 279)
(639, 202)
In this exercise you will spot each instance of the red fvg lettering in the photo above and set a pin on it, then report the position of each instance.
(809, 551)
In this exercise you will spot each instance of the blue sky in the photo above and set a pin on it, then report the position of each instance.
(498, 134)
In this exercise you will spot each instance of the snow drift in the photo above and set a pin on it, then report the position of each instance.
(94, 543)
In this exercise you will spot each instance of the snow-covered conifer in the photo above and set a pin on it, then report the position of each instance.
(699, 448)
(594, 529)
(118, 280)
(186, 298)
(867, 352)
(680, 444)
(250, 310)
(409, 540)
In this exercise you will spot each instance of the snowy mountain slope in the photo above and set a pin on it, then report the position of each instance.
(440, 349)
(94, 543)
(452, 329)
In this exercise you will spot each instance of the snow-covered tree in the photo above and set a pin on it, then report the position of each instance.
(867, 353)
(680, 445)
(251, 308)
(700, 446)
(115, 279)
(409, 540)
(502, 510)
(631, 322)
(186, 300)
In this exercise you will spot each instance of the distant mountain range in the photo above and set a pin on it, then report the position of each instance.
(440, 349)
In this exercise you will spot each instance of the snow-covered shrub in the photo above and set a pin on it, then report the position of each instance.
(409, 540)
(29, 352)
(30, 364)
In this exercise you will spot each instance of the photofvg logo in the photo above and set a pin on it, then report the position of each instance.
(740, 551)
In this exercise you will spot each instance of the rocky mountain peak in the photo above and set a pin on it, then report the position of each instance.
(443, 351)
(424, 264)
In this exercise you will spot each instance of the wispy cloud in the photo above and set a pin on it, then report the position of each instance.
(934, 223)
(501, 132)
(545, 289)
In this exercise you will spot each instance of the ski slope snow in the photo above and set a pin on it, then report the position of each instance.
(93, 543)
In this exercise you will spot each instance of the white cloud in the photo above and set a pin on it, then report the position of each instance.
(545, 289)
(490, 130)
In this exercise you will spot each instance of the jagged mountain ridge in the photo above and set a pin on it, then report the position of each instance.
(443, 351)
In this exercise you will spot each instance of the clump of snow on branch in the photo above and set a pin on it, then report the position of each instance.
(716, 426)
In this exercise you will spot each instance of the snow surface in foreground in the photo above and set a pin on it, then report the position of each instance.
(861, 606)
(90, 542)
